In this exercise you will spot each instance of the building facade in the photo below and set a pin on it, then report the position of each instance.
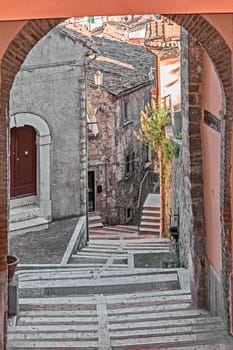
(48, 159)
(116, 159)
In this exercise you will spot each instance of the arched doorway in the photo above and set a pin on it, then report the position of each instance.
(31, 141)
(22, 162)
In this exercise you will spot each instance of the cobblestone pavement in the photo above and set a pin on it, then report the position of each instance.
(45, 246)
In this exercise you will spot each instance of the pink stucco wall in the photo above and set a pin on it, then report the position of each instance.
(224, 25)
(211, 101)
(170, 79)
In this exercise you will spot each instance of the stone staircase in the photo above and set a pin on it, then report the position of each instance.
(94, 220)
(150, 221)
(113, 295)
(150, 218)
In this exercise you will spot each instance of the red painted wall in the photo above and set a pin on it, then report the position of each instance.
(211, 101)
(24, 9)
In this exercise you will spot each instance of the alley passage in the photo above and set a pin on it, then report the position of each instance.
(122, 291)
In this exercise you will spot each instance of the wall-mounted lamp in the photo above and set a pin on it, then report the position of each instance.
(98, 78)
(151, 74)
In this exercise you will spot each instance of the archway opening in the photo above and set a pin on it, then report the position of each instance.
(213, 51)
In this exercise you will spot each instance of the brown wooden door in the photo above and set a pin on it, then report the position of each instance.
(23, 161)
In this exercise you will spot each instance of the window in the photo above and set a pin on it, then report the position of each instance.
(147, 97)
(126, 111)
(129, 163)
(129, 213)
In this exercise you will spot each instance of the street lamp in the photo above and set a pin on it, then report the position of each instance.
(98, 78)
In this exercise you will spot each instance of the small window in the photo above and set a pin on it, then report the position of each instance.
(126, 111)
(129, 164)
(147, 98)
(129, 213)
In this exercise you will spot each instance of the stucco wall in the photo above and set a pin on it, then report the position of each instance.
(52, 87)
(170, 79)
(212, 102)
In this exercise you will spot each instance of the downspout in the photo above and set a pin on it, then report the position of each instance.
(158, 90)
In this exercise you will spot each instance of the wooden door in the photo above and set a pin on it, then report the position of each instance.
(91, 191)
(23, 161)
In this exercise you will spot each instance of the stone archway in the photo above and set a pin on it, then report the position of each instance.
(215, 46)
(208, 38)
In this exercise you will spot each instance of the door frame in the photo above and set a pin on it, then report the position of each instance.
(43, 143)
(23, 163)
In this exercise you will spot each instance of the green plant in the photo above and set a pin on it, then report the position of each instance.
(178, 136)
(170, 149)
(179, 263)
(152, 131)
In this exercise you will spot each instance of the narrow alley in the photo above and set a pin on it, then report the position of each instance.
(121, 291)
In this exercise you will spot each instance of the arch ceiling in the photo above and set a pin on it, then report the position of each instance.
(15, 10)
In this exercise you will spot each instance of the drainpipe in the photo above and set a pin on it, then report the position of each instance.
(158, 77)
(158, 89)
(161, 192)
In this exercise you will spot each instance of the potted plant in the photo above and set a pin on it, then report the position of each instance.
(12, 262)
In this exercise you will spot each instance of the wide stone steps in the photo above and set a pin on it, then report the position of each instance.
(115, 297)
(111, 246)
(43, 284)
(142, 320)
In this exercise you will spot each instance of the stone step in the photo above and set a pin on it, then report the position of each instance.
(95, 225)
(151, 208)
(96, 285)
(77, 302)
(115, 230)
(64, 274)
(149, 230)
(24, 213)
(94, 220)
(129, 242)
(168, 341)
(24, 226)
(62, 345)
(150, 218)
(146, 224)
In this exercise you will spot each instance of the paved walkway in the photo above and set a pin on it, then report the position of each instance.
(109, 298)
(43, 247)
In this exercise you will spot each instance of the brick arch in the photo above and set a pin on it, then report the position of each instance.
(15, 54)
(30, 34)
(220, 54)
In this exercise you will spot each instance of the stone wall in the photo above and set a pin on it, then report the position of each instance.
(188, 190)
(221, 56)
(53, 76)
(117, 202)
(128, 185)
(181, 196)
(102, 153)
